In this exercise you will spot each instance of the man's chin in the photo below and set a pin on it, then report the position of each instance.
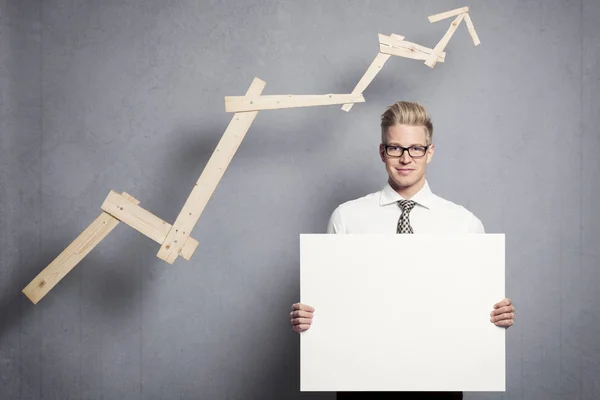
(402, 182)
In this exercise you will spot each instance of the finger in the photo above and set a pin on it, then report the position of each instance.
(300, 306)
(301, 321)
(502, 310)
(300, 313)
(505, 323)
(301, 328)
(503, 317)
(505, 302)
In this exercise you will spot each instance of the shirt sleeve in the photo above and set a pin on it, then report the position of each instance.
(476, 226)
(336, 223)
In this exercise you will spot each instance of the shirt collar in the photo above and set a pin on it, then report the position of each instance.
(423, 197)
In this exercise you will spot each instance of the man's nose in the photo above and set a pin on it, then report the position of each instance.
(405, 158)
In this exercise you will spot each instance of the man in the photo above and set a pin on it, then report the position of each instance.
(405, 205)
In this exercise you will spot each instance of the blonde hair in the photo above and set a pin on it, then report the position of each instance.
(406, 113)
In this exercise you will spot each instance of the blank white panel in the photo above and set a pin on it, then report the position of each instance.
(402, 312)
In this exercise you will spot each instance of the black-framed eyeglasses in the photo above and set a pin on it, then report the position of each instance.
(413, 151)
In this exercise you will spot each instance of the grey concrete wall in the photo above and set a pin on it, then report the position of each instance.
(128, 95)
(21, 140)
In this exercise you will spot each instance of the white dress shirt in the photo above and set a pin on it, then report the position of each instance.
(379, 213)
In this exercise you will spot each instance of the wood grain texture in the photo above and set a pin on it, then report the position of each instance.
(447, 14)
(72, 255)
(437, 50)
(209, 179)
(245, 104)
(143, 221)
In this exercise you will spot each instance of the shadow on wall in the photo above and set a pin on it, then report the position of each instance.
(11, 306)
(165, 200)
(17, 313)
(119, 287)
(14, 304)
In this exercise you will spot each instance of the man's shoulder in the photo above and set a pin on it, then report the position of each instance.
(451, 206)
(348, 213)
(457, 211)
(368, 200)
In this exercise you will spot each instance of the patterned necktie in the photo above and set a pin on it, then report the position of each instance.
(404, 222)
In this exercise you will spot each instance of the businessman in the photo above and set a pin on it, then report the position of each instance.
(405, 205)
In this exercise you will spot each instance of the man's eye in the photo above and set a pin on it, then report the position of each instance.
(418, 148)
(394, 148)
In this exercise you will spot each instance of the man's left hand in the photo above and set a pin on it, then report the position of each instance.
(503, 313)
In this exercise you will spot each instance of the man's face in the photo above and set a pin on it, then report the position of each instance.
(406, 171)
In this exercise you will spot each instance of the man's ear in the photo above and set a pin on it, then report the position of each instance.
(430, 152)
(382, 152)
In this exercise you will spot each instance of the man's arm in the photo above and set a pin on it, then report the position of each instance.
(475, 225)
(503, 312)
(302, 314)
(336, 223)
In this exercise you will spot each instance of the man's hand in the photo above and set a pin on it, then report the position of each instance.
(301, 317)
(503, 313)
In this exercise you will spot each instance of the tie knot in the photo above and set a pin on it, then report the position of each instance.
(407, 205)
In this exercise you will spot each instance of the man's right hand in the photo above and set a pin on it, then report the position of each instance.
(301, 317)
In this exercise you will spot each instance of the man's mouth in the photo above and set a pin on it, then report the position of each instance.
(404, 171)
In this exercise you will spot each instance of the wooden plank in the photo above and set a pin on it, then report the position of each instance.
(413, 53)
(189, 247)
(395, 37)
(371, 72)
(403, 52)
(433, 57)
(390, 41)
(368, 77)
(447, 14)
(143, 221)
(471, 29)
(136, 217)
(245, 104)
(72, 255)
(209, 179)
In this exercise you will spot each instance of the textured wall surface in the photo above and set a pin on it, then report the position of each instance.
(128, 95)
(21, 354)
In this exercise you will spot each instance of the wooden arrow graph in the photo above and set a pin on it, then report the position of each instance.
(395, 45)
(175, 240)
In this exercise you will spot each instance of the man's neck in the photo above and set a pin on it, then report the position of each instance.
(408, 191)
